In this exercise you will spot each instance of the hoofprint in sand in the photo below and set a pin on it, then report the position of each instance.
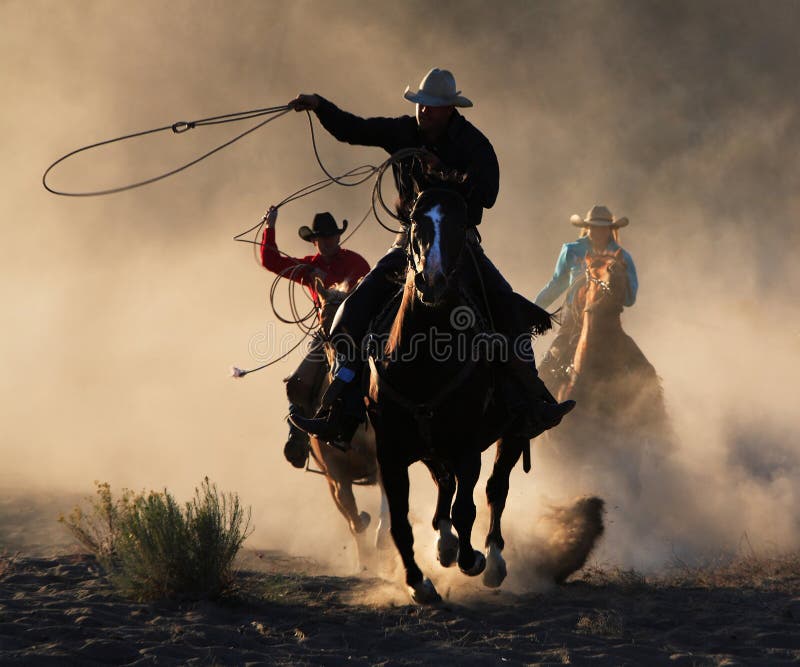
(58, 609)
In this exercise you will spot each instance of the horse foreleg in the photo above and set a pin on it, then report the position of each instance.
(467, 470)
(396, 486)
(342, 493)
(508, 452)
(447, 542)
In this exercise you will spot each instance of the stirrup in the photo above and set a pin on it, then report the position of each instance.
(337, 430)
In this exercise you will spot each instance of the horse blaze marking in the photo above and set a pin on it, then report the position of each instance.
(433, 264)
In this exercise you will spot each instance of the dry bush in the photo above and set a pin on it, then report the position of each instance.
(775, 571)
(779, 571)
(152, 548)
(7, 563)
(606, 623)
(626, 580)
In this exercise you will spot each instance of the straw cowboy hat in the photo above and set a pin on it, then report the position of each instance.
(323, 226)
(598, 216)
(437, 89)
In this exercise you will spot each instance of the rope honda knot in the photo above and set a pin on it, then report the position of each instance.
(182, 126)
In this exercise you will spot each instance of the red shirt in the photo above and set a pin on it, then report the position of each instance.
(345, 266)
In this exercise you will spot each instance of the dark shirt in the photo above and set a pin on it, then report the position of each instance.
(462, 148)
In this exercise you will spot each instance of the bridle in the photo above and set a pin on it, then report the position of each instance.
(604, 286)
(414, 256)
(423, 412)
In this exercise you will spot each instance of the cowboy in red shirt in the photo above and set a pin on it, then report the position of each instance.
(333, 265)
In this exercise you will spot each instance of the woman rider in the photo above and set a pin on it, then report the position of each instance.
(599, 233)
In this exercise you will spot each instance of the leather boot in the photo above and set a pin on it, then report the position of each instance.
(342, 409)
(544, 412)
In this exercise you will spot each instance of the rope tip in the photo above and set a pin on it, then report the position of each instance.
(237, 372)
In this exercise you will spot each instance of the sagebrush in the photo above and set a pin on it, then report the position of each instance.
(153, 548)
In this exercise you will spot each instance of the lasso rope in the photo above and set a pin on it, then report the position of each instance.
(353, 177)
(302, 321)
(177, 128)
(254, 234)
(362, 173)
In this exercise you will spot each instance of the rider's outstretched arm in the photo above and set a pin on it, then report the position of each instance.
(558, 283)
(391, 134)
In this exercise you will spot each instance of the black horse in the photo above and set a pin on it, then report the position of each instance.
(431, 395)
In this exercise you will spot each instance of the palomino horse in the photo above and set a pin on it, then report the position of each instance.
(356, 466)
(618, 392)
(430, 398)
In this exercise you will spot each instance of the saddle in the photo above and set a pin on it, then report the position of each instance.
(503, 404)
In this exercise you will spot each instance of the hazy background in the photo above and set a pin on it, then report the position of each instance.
(123, 313)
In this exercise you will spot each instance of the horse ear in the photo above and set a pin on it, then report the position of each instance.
(319, 287)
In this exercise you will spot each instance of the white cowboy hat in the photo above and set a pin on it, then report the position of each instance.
(598, 216)
(437, 89)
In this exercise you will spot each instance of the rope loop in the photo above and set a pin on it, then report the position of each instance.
(177, 128)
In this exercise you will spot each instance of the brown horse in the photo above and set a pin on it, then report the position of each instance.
(356, 466)
(618, 392)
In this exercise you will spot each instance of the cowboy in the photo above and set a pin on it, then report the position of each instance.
(331, 264)
(599, 233)
(461, 158)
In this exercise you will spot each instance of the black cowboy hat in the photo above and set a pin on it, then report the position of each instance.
(323, 226)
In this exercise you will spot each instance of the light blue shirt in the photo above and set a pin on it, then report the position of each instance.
(570, 269)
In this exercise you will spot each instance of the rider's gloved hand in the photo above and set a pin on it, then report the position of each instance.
(271, 216)
(304, 102)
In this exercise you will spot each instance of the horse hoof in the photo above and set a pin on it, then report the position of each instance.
(424, 593)
(363, 521)
(496, 570)
(478, 565)
(447, 550)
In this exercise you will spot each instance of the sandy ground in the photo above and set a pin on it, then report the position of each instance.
(56, 609)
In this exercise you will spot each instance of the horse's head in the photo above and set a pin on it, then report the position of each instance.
(330, 298)
(606, 281)
(437, 239)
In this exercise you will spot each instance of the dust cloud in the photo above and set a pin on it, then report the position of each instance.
(123, 313)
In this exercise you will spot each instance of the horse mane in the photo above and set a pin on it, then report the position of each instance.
(337, 292)
(406, 304)
(606, 253)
